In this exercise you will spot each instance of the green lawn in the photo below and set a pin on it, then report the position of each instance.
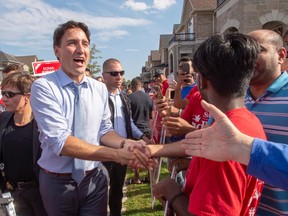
(138, 201)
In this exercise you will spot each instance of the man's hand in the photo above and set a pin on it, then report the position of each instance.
(177, 126)
(147, 140)
(141, 153)
(132, 144)
(220, 142)
(162, 107)
(183, 80)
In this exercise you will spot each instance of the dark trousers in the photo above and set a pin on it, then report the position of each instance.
(62, 196)
(117, 174)
(28, 202)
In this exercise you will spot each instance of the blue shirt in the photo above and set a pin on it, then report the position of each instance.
(52, 101)
(269, 163)
(186, 89)
(272, 110)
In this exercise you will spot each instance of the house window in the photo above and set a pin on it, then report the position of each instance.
(191, 26)
(191, 29)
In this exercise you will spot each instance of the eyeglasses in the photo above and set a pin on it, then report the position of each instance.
(115, 73)
(9, 94)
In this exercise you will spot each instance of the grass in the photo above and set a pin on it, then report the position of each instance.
(138, 201)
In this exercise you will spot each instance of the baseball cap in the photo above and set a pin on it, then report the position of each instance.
(158, 72)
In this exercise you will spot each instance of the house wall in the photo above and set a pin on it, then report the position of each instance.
(248, 15)
(244, 15)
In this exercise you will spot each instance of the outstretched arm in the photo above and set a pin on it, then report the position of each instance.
(266, 160)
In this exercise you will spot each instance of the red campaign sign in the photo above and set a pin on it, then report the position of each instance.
(45, 67)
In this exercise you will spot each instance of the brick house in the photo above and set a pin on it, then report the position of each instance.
(202, 18)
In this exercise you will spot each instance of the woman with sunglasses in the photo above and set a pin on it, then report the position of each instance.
(19, 145)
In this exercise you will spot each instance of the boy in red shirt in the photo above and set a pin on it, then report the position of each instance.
(225, 66)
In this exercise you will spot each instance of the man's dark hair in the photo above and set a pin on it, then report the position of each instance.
(136, 82)
(185, 59)
(62, 28)
(228, 62)
(89, 71)
(109, 61)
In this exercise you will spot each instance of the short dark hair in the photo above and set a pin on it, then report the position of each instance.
(12, 67)
(185, 59)
(89, 71)
(136, 82)
(109, 61)
(62, 28)
(228, 62)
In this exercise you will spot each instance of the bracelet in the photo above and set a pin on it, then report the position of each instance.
(170, 202)
(122, 143)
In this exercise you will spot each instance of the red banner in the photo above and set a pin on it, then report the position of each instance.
(45, 67)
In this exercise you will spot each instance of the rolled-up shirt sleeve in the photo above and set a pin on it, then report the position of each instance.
(269, 162)
(54, 127)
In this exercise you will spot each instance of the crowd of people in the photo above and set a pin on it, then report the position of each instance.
(67, 138)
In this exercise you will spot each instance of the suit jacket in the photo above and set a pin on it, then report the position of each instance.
(5, 117)
(127, 114)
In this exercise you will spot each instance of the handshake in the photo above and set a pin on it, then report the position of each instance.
(136, 154)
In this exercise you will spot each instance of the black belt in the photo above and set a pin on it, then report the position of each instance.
(21, 185)
(30, 184)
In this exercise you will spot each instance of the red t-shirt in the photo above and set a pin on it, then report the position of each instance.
(194, 112)
(224, 188)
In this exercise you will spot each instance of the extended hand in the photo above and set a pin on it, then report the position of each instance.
(138, 148)
(219, 142)
(162, 107)
(177, 126)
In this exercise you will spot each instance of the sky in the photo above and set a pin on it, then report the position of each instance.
(124, 29)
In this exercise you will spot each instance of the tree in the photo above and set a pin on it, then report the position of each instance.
(93, 64)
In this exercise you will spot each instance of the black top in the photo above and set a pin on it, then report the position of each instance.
(142, 107)
(17, 152)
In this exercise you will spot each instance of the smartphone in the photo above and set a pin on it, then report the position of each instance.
(172, 94)
(157, 92)
(185, 67)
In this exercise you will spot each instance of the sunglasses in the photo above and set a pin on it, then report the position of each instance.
(9, 94)
(115, 73)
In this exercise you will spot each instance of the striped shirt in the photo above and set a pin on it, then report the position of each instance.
(272, 110)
